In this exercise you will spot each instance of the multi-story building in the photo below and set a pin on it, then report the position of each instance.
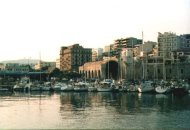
(168, 42)
(183, 54)
(185, 41)
(126, 43)
(49, 66)
(107, 48)
(148, 48)
(97, 54)
(14, 67)
(58, 63)
(2, 66)
(72, 57)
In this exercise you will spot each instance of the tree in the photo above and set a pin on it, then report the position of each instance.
(56, 73)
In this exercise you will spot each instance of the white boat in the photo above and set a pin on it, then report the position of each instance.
(67, 87)
(81, 86)
(46, 88)
(105, 86)
(57, 87)
(104, 89)
(146, 86)
(35, 88)
(92, 89)
(119, 88)
(4, 89)
(21, 85)
(160, 89)
(132, 88)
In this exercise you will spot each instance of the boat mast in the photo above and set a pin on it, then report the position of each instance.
(40, 67)
(142, 56)
(84, 74)
(133, 61)
(164, 70)
(108, 62)
(119, 64)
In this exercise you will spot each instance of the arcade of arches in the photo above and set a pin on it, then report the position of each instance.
(100, 69)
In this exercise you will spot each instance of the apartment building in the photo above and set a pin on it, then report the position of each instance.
(97, 54)
(73, 56)
(129, 42)
(168, 42)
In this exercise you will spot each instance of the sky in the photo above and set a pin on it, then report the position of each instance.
(36, 29)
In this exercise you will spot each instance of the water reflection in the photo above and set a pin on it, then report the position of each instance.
(123, 103)
(93, 110)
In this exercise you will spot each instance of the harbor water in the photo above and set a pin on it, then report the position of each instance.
(98, 110)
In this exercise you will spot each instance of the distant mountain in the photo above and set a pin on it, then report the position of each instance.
(22, 61)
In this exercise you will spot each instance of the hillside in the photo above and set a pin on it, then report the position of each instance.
(22, 61)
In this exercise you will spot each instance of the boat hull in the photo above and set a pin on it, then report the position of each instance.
(179, 91)
(146, 90)
(80, 89)
(92, 89)
(104, 89)
(161, 90)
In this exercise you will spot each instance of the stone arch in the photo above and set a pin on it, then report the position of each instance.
(95, 74)
(99, 74)
(85, 74)
(89, 75)
(111, 70)
(92, 74)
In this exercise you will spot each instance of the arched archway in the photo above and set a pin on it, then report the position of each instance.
(89, 75)
(92, 74)
(112, 70)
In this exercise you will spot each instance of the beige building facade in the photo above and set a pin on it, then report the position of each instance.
(73, 56)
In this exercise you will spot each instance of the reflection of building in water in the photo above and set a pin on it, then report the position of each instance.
(88, 104)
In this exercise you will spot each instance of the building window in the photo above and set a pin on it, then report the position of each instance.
(181, 71)
(170, 70)
(158, 71)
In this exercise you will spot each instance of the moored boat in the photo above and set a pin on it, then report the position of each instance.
(67, 87)
(105, 86)
(180, 88)
(57, 87)
(161, 90)
(4, 89)
(92, 89)
(146, 86)
(81, 86)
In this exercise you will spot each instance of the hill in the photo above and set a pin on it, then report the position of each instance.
(22, 61)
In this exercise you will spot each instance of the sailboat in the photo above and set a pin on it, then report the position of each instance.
(107, 84)
(164, 86)
(145, 85)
